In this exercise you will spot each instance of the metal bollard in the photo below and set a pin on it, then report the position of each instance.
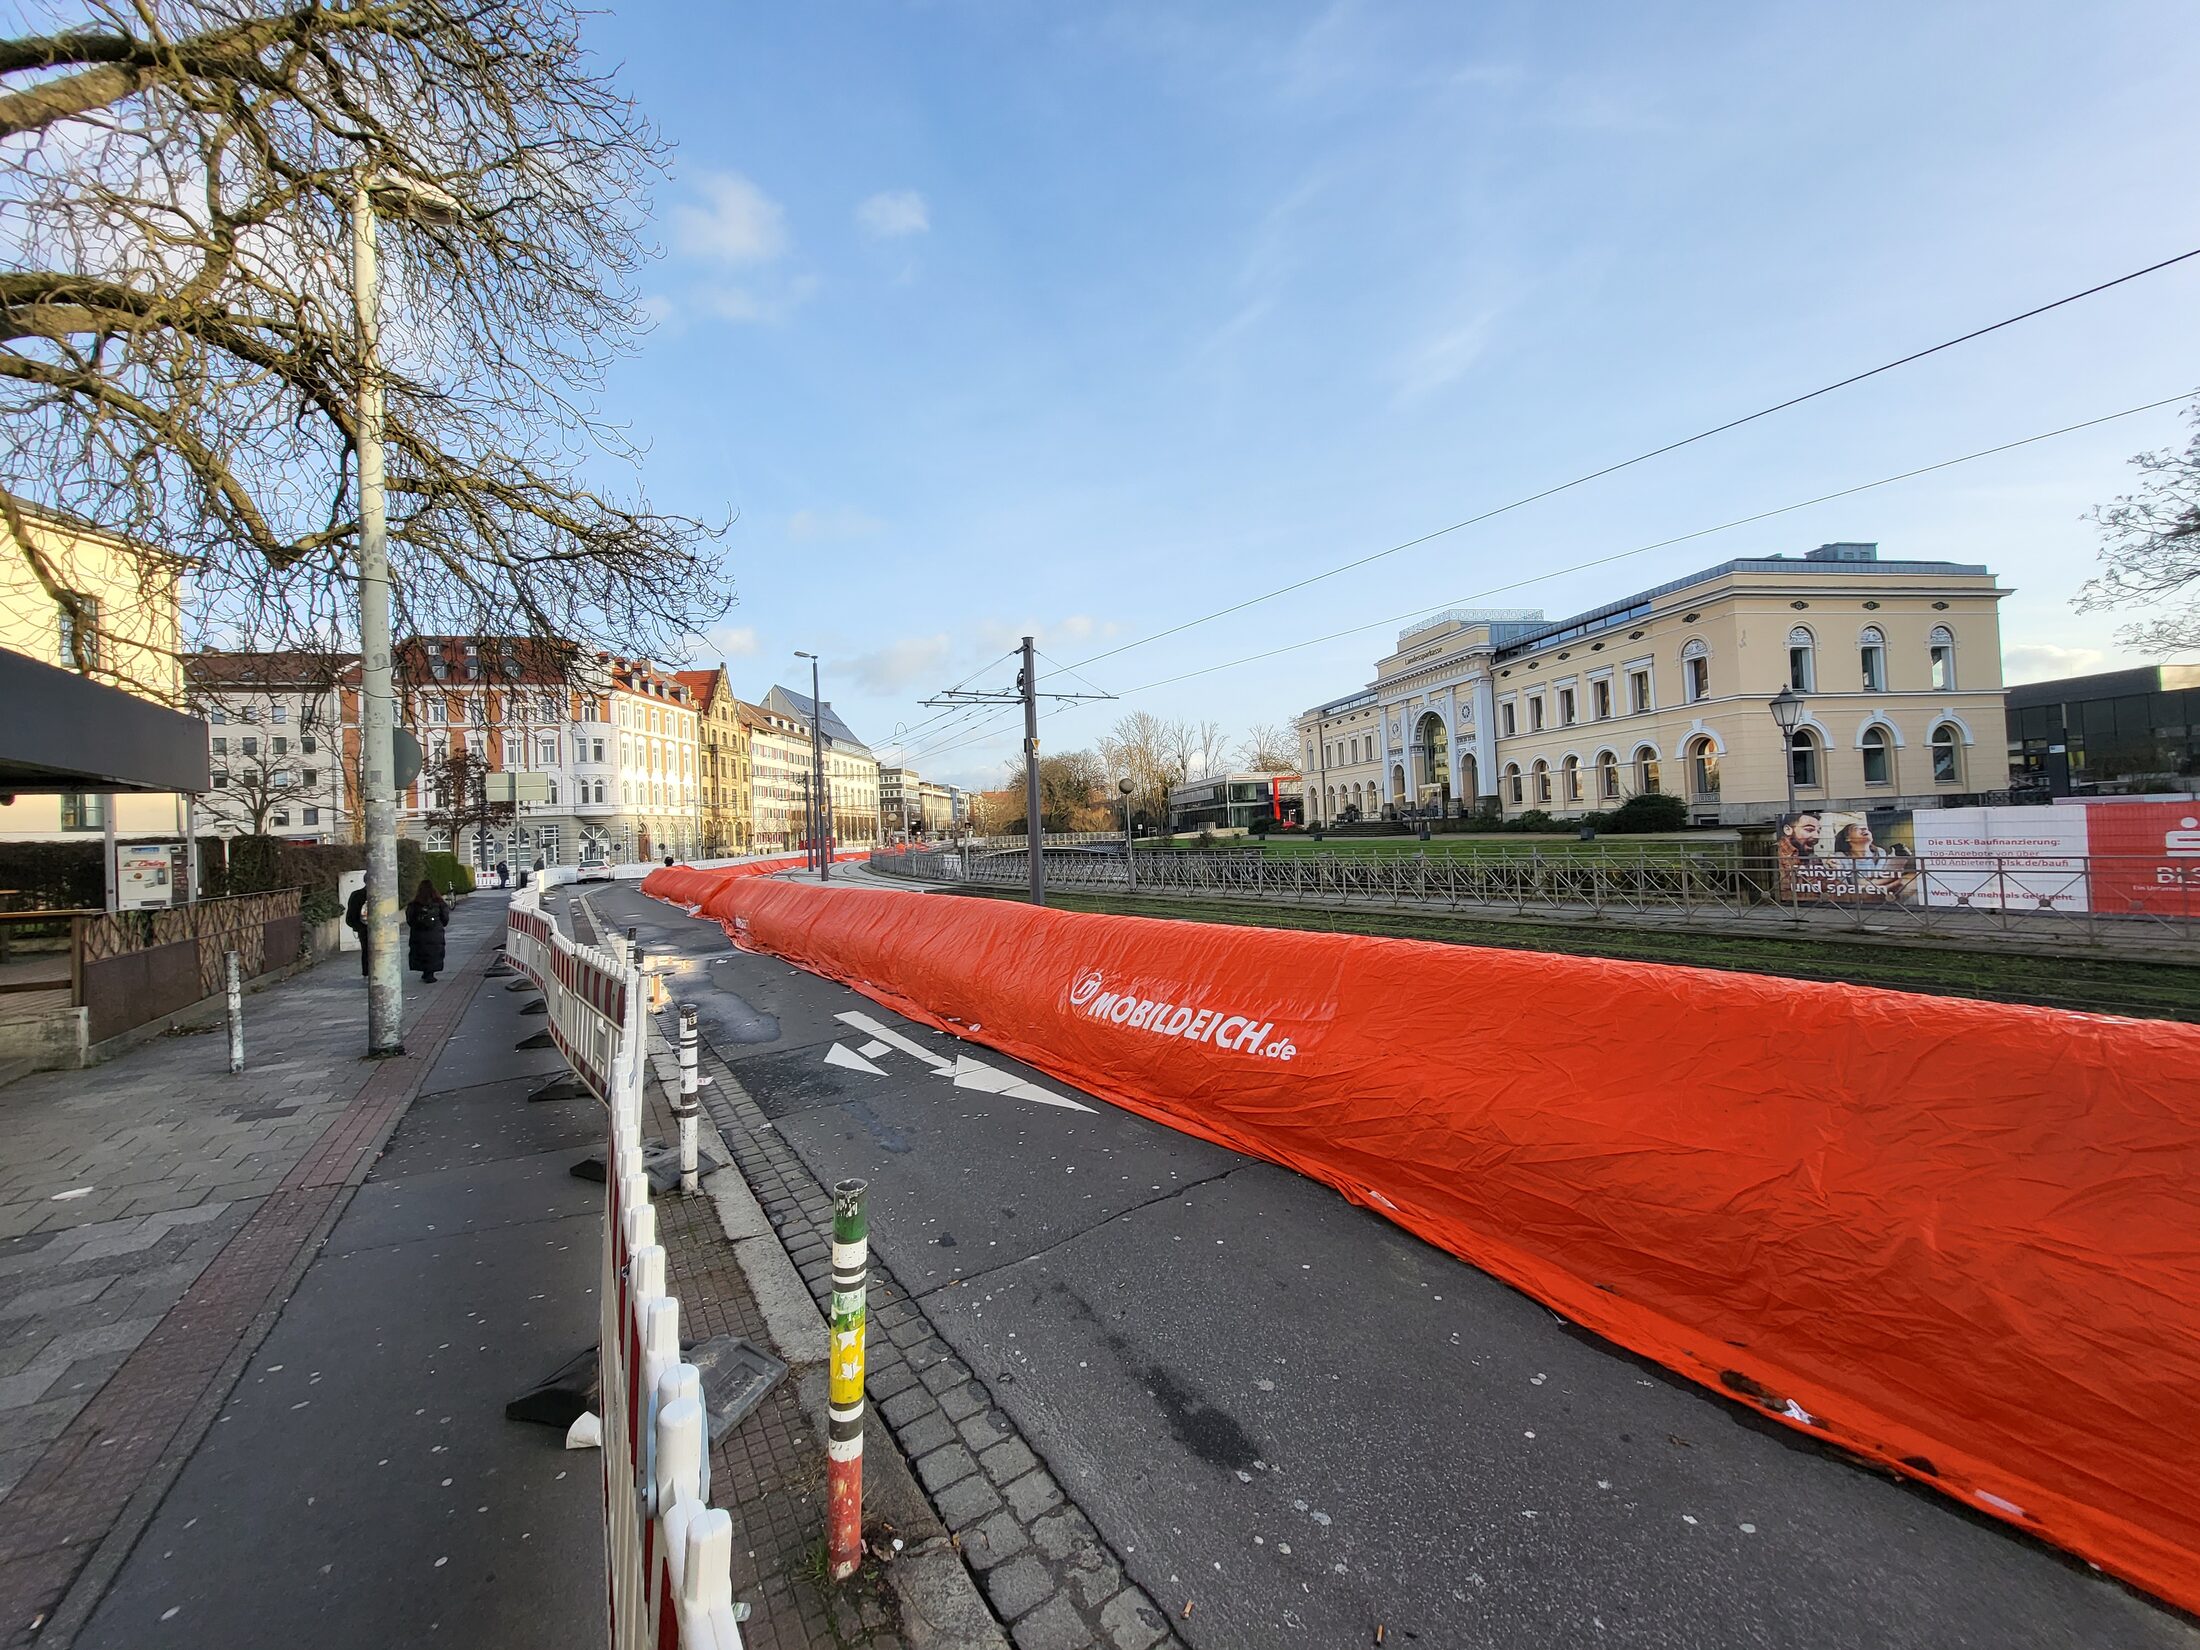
(234, 977)
(844, 1403)
(688, 1107)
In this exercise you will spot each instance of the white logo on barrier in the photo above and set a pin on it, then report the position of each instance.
(1245, 1033)
(2184, 844)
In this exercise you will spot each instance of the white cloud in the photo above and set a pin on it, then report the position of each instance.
(747, 303)
(894, 213)
(812, 525)
(920, 661)
(2045, 661)
(739, 225)
(1446, 357)
(735, 643)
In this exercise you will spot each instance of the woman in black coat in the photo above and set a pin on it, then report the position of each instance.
(427, 917)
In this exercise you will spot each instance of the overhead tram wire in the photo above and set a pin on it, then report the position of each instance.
(1645, 457)
(1645, 549)
(910, 732)
(996, 716)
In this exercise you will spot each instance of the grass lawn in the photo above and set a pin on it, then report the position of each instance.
(2147, 989)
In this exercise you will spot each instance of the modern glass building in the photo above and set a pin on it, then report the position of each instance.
(2120, 731)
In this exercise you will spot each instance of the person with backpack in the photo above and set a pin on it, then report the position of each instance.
(427, 917)
(355, 919)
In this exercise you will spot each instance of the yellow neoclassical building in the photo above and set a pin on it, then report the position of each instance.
(95, 605)
(1898, 664)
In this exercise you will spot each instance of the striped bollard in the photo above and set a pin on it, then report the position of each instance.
(688, 1108)
(844, 1448)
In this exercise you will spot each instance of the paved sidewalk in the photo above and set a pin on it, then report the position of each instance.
(156, 1211)
(362, 1486)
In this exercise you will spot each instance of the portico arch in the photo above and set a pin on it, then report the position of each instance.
(1431, 761)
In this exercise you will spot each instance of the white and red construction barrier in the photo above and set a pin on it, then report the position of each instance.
(668, 1552)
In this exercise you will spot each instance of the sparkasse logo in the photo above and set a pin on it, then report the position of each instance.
(1243, 1033)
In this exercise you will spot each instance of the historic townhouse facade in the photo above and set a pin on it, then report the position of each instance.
(283, 734)
(1898, 664)
(729, 825)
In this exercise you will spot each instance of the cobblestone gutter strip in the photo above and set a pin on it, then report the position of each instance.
(75, 1515)
(1047, 1572)
(769, 1473)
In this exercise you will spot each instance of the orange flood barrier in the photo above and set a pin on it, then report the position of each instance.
(1960, 1238)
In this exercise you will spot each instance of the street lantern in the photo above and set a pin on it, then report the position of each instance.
(1130, 848)
(1787, 710)
(821, 830)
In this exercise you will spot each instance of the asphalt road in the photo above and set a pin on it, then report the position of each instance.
(1304, 1422)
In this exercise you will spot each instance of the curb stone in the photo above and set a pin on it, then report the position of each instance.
(939, 1604)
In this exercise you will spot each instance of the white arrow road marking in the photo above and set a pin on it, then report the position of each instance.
(894, 1039)
(966, 1072)
(839, 1056)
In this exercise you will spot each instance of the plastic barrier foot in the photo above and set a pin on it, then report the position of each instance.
(563, 1397)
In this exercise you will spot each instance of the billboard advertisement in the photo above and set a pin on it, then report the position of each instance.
(2119, 857)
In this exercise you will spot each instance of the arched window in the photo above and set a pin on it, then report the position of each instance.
(1703, 766)
(439, 840)
(1513, 784)
(1947, 754)
(1696, 671)
(1571, 770)
(1878, 756)
(1608, 775)
(1941, 649)
(1803, 764)
(1871, 653)
(552, 798)
(1646, 770)
(1542, 780)
(1802, 660)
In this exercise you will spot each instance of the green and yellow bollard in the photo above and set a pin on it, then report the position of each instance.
(844, 1406)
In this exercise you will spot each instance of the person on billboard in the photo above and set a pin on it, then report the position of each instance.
(1795, 854)
(1902, 872)
(1867, 866)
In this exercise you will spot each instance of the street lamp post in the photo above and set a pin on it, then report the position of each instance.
(1787, 711)
(1130, 847)
(817, 768)
(376, 194)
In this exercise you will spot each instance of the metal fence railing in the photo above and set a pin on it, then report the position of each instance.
(2087, 900)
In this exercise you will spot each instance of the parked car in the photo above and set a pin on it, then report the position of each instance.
(594, 868)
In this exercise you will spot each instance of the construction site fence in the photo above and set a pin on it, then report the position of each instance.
(2087, 899)
(668, 1551)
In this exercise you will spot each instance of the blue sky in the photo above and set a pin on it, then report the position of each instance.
(1087, 319)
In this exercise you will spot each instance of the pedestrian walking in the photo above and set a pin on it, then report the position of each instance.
(504, 874)
(427, 917)
(355, 919)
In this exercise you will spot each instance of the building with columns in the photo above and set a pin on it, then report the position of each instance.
(1505, 711)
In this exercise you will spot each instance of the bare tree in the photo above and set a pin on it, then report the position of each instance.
(2151, 553)
(1180, 743)
(178, 358)
(1267, 749)
(456, 783)
(1138, 749)
(1214, 747)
